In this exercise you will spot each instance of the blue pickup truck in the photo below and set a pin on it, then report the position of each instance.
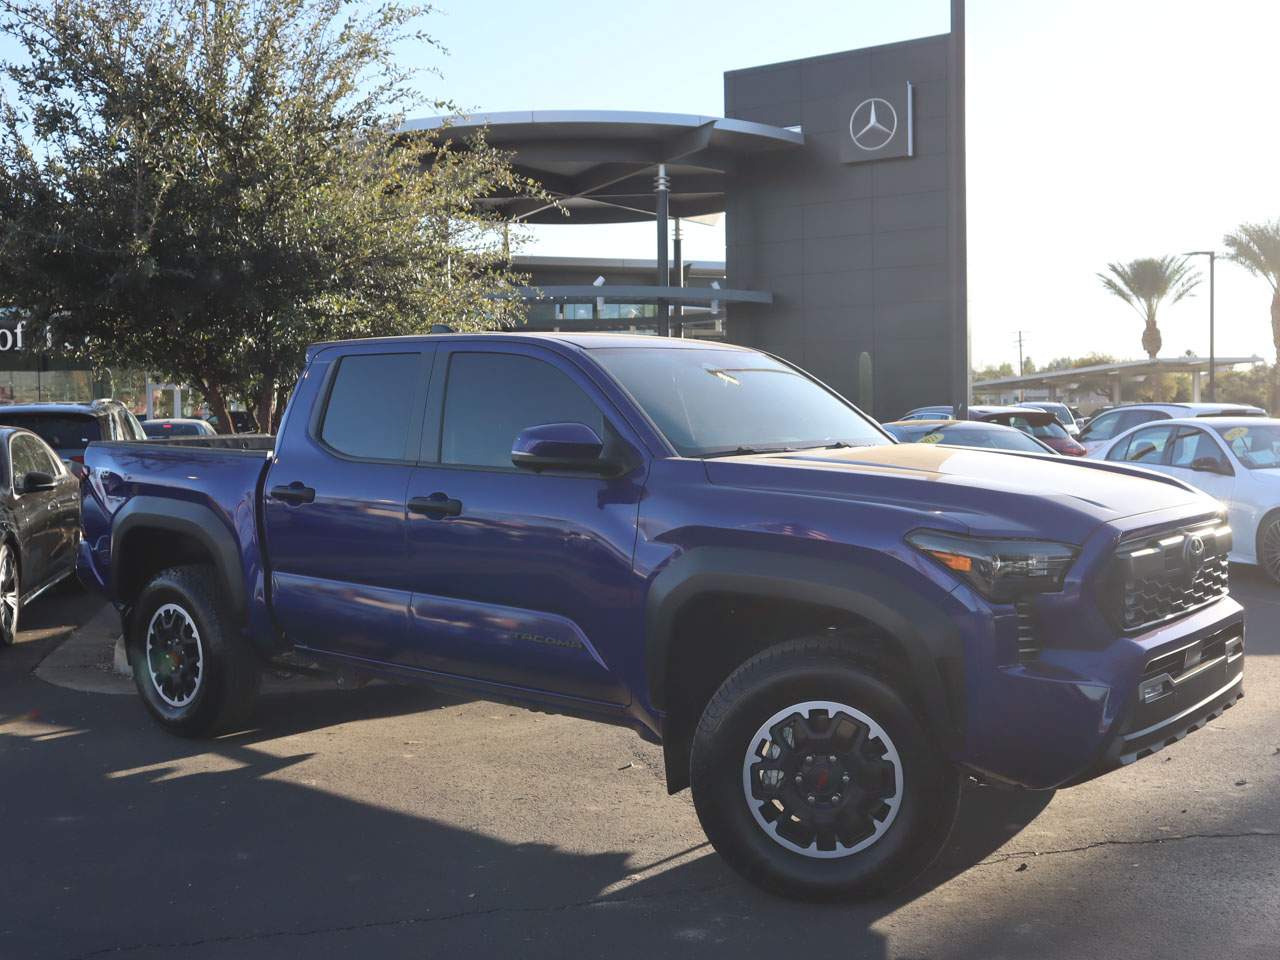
(826, 630)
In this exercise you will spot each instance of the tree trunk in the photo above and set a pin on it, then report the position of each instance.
(1275, 339)
(282, 400)
(218, 403)
(1151, 340)
(266, 404)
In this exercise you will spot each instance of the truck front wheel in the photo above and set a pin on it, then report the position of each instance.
(814, 778)
(196, 676)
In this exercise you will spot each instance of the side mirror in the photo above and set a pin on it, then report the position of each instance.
(1211, 465)
(37, 480)
(560, 446)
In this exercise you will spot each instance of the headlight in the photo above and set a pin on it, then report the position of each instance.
(1001, 570)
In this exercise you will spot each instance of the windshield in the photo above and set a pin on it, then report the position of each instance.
(1050, 430)
(62, 431)
(963, 436)
(1257, 448)
(719, 402)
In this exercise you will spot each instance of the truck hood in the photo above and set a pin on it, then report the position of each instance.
(985, 492)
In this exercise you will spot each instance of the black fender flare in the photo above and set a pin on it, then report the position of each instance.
(914, 621)
(192, 520)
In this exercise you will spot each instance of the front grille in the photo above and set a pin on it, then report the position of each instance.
(1165, 573)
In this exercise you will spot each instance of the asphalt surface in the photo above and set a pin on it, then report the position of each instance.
(392, 822)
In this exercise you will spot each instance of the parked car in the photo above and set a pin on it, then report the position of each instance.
(1040, 424)
(171, 427)
(70, 427)
(966, 433)
(242, 420)
(1061, 412)
(825, 629)
(1113, 421)
(39, 523)
(1234, 459)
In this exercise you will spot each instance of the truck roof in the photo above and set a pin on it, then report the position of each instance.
(583, 341)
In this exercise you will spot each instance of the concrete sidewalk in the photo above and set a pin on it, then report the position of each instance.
(87, 659)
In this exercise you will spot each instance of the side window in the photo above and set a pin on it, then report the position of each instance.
(24, 455)
(365, 416)
(491, 397)
(1148, 445)
(48, 460)
(1191, 445)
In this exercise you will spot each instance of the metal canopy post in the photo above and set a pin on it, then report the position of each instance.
(678, 326)
(662, 192)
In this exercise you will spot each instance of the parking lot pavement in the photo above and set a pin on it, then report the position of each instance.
(394, 822)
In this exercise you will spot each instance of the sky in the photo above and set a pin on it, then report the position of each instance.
(1098, 130)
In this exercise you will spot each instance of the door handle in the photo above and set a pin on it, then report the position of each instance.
(295, 493)
(437, 506)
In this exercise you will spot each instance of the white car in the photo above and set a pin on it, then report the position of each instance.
(1235, 459)
(1109, 424)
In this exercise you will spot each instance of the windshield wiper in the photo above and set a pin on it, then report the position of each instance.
(743, 451)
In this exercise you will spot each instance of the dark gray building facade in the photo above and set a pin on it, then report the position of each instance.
(852, 240)
(835, 176)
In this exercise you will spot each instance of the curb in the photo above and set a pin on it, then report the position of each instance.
(92, 660)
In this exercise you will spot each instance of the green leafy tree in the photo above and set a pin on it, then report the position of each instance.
(1256, 247)
(1145, 284)
(203, 187)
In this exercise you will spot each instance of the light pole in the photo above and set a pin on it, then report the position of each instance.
(1212, 255)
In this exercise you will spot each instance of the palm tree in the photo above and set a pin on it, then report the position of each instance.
(1256, 247)
(1146, 283)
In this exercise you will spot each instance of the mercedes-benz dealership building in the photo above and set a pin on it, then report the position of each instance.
(843, 218)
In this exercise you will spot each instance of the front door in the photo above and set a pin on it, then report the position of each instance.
(38, 516)
(520, 578)
(335, 502)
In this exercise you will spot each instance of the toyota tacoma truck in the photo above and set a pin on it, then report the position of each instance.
(827, 631)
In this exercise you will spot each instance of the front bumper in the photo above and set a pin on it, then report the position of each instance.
(1180, 691)
(1074, 715)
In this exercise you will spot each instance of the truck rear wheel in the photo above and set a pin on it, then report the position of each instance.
(196, 676)
(814, 778)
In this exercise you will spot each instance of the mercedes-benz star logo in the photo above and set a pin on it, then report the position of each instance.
(873, 123)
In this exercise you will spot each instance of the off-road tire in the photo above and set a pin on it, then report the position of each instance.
(230, 673)
(804, 671)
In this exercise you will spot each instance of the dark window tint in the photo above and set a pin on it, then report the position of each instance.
(29, 456)
(491, 397)
(367, 414)
(62, 431)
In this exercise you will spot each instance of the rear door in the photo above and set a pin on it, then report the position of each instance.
(334, 502)
(63, 507)
(35, 514)
(529, 583)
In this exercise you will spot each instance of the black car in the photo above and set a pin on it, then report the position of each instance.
(242, 420)
(176, 427)
(70, 427)
(39, 523)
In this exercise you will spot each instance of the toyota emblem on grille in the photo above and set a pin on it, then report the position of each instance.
(1194, 552)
